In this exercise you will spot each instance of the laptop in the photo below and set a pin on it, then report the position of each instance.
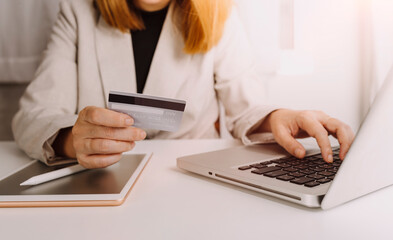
(311, 182)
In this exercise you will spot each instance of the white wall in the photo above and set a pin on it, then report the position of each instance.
(24, 30)
(382, 32)
(334, 35)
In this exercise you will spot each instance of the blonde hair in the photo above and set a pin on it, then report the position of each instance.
(201, 21)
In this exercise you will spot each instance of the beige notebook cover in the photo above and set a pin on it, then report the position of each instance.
(96, 187)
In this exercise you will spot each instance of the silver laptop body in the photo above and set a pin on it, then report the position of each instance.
(367, 167)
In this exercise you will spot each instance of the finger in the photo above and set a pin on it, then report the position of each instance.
(106, 117)
(283, 137)
(98, 161)
(121, 134)
(106, 146)
(315, 129)
(343, 133)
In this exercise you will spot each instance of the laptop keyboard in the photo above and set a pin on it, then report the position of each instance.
(310, 171)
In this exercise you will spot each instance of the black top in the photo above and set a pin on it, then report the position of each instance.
(144, 44)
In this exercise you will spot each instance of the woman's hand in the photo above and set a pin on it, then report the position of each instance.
(286, 125)
(99, 137)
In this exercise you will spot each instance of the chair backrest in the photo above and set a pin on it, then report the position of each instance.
(9, 98)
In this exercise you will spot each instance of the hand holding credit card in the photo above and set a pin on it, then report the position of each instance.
(149, 112)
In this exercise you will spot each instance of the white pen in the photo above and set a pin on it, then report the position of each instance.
(46, 177)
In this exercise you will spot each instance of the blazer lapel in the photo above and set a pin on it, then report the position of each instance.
(169, 61)
(115, 59)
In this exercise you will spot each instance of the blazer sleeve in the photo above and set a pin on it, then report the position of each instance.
(50, 101)
(238, 86)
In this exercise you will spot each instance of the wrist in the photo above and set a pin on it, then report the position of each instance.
(63, 144)
(265, 126)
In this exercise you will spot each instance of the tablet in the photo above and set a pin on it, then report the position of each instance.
(96, 187)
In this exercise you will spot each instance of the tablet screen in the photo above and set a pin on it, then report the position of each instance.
(110, 180)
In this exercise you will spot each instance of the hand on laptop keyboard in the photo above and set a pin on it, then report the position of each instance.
(286, 125)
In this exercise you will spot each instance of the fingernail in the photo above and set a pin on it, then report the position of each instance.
(298, 152)
(330, 158)
(129, 121)
(142, 134)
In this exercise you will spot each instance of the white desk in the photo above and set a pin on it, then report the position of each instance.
(167, 203)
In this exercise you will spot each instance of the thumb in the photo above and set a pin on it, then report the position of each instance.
(288, 142)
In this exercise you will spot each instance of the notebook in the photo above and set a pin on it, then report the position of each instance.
(95, 187)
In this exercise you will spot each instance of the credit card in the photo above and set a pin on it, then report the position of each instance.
(149, 112)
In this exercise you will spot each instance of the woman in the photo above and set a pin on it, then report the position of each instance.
(201, 55)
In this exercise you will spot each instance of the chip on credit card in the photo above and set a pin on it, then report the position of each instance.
(149, 112)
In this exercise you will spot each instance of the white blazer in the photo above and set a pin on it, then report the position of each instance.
(86, 58)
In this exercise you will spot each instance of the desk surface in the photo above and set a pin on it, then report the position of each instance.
(168, 203)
